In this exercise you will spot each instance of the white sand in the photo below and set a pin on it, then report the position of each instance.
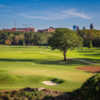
(49, 83)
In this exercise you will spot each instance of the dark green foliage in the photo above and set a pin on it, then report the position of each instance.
(65, 39)
(40, 38)
(90, 37)
(24, 38)
(3, 37)
(90, 90)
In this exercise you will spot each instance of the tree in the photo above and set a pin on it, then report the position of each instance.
(77, 28)
(65, 39)
(91, 38)
(91, 26)
(3, 37)
(84, 28)
(41, 38)
(90, 35)
(74, 27)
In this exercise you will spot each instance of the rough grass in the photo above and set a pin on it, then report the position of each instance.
(22, 67)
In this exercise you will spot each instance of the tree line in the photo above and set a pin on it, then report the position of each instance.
(24, 38)
(91, 37)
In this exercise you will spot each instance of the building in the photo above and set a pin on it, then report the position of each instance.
(50, 29)
(20, 30)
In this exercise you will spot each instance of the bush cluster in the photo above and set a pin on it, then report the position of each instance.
(90, 90)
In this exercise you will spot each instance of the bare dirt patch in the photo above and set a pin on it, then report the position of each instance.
(92, 69)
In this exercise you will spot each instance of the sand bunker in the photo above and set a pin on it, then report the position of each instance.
(50, 83)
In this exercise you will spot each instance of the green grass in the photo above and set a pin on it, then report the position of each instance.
(28, 66)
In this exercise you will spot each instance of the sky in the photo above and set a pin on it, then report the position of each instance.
(44, 13)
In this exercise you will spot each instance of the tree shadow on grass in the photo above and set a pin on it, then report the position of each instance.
(96, 50)
(15, 60)
(86, 51)
(93, 55)
(76, 61)
(91, 60)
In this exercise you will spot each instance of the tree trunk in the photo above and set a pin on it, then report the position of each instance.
(90, 44)
(65, 58)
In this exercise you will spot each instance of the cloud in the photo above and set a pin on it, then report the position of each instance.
(59, 16)
(75, 13)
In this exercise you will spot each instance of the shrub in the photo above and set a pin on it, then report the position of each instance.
(90, 90)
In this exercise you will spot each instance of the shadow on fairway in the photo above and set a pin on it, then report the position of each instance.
(53, 62)
(86, 51)
(90, 53)
(96, 50)
(93, 55)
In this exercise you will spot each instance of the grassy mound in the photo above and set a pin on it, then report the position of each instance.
(90, 90)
